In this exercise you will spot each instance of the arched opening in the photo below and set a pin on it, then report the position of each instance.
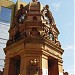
(53, 66)
(14, 65)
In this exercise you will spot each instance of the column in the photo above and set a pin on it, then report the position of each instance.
(60, 67)
(23, 65)
(44, 65)
(6, 67)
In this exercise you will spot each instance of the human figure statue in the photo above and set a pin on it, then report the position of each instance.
(48, 14)
(20, 14)
(45, 11)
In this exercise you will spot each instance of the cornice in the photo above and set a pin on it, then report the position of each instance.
(53, 45)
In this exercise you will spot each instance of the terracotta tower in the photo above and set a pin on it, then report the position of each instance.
(33, 47)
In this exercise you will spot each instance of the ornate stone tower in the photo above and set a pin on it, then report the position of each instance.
(33, 47)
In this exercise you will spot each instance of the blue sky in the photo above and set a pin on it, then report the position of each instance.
(63, 13)
(4, 16)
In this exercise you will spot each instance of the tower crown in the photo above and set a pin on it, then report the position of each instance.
(33, 47)
(31, 20)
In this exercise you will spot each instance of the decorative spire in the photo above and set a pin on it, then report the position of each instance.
(34, 0)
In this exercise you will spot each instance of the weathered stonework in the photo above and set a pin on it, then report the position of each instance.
(33, 47)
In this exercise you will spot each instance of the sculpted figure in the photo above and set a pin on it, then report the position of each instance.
(45, 11)
(48, 14)
(20, 15)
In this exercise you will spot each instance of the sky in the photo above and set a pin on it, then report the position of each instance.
(63, 13)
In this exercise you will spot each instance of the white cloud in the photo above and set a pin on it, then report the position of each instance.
(69, 68)
(68, 51)
(56, 6)
(71, 71)
(69, 47)
(4, 23)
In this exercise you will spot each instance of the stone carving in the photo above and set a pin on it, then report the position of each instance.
(17, 36)
(57, 42)
(48, 33)
(47, 13)
(20, 15)
(34, 32)
(33, 68)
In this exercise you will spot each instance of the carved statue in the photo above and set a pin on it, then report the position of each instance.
(47, 13)
(20, 15)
